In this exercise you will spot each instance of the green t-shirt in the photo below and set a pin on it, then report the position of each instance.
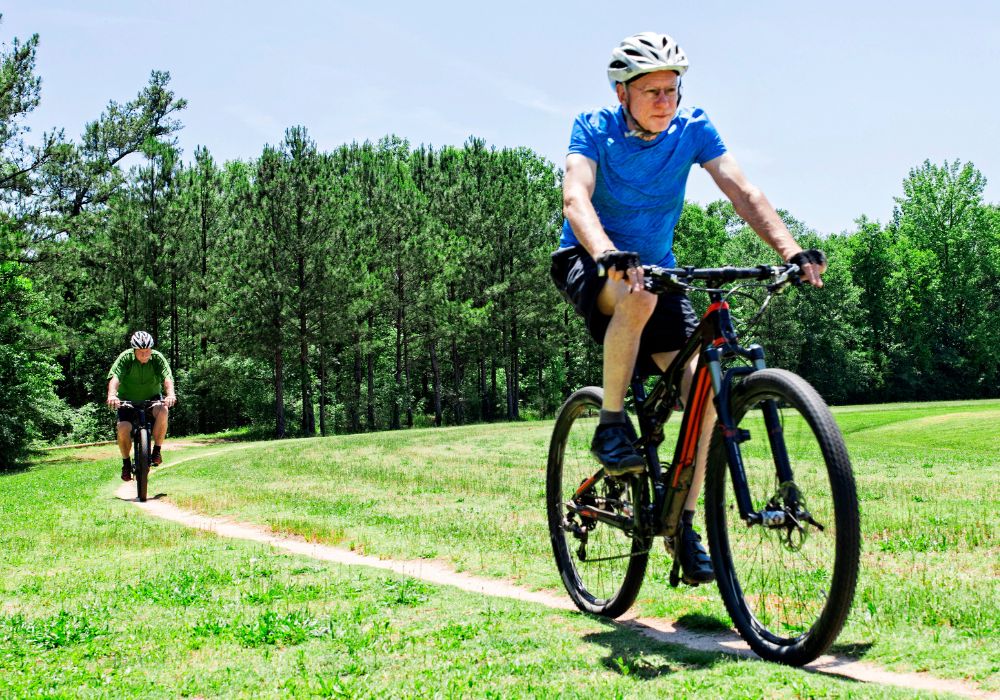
(138, 381)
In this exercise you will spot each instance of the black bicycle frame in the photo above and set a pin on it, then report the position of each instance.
(713, 340)
(140, 419)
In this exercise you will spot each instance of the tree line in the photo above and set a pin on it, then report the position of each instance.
(384, 285)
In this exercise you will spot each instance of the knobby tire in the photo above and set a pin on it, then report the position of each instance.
(789, 605)
(142, 464)
(607, 579)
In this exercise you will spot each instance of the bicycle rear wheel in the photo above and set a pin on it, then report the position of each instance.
(141, 448)
(788, 588)
(602, 565)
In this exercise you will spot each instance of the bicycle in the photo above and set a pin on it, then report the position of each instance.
(784, 542)
(142, 431)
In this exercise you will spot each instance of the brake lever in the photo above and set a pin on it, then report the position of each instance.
(790, 275)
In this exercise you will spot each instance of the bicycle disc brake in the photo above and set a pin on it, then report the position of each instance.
(790, 516)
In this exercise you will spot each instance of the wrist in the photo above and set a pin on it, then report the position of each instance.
(787, 255)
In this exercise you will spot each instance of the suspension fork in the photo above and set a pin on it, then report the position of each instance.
(733, 436)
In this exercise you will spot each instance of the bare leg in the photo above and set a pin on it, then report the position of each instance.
(701, 458)
(160, 426)
(629, 313)
(124, 438)
(708, 424)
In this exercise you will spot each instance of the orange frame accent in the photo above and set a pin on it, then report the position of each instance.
(694, 424)
(715, 307)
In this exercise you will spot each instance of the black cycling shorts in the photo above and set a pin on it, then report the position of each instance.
(672, 323)
(128, 415)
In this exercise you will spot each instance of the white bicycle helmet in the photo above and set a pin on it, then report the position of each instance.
(647, 52)
(142, 339)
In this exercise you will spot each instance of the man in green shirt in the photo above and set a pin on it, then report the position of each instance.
(139, 374)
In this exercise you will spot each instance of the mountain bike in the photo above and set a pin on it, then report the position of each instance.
(781, 506)
(142, 443)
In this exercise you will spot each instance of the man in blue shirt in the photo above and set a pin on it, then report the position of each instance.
(623, 194)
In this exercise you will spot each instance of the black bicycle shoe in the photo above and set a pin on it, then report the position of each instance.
(126, 473)
(613, 448)
(696, 564)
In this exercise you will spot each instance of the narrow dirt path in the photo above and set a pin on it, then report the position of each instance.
(436, 572)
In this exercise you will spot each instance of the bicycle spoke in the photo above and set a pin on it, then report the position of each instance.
(787, 602)
(602, 564)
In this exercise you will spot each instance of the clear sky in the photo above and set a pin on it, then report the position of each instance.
(826, 105)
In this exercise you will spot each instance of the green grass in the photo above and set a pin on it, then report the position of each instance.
(927, 475)
(98, 599)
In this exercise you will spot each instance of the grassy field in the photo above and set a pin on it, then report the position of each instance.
(100, 600)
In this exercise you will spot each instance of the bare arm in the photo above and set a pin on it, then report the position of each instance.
(112, 400)
(751, 204)
(168, 386)
(578, 188)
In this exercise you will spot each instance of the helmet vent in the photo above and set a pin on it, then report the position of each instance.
(645, 53)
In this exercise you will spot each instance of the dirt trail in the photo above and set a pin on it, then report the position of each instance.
(436, 572)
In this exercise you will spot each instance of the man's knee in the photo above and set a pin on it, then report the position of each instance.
(642, 303)
(616, 300)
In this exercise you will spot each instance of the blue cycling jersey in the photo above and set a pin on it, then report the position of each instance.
(639, 193)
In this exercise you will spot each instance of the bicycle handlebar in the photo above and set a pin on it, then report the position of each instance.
(148, 403)
(722, 274)
(660, 279)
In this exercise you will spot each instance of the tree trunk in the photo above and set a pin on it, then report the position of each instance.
(507, 367)
(398, 377)
(202, 409)
(355, 416)
(493, 384)
(542, 398)
(456, 381)
(425, 390)
(515, 362)
(371, 373)
(484, 399)
(406, 369)
(279, 393)
(437, 383)
(175, 331)
(125, 315)
(322, 391)
(308, 419)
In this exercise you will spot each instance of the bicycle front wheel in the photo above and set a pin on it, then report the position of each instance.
(598, 548)
(141, 447)
(788, 579)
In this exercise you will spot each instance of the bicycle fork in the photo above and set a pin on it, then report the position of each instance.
(784, 510)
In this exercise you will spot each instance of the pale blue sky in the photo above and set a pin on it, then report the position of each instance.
(826, 105)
